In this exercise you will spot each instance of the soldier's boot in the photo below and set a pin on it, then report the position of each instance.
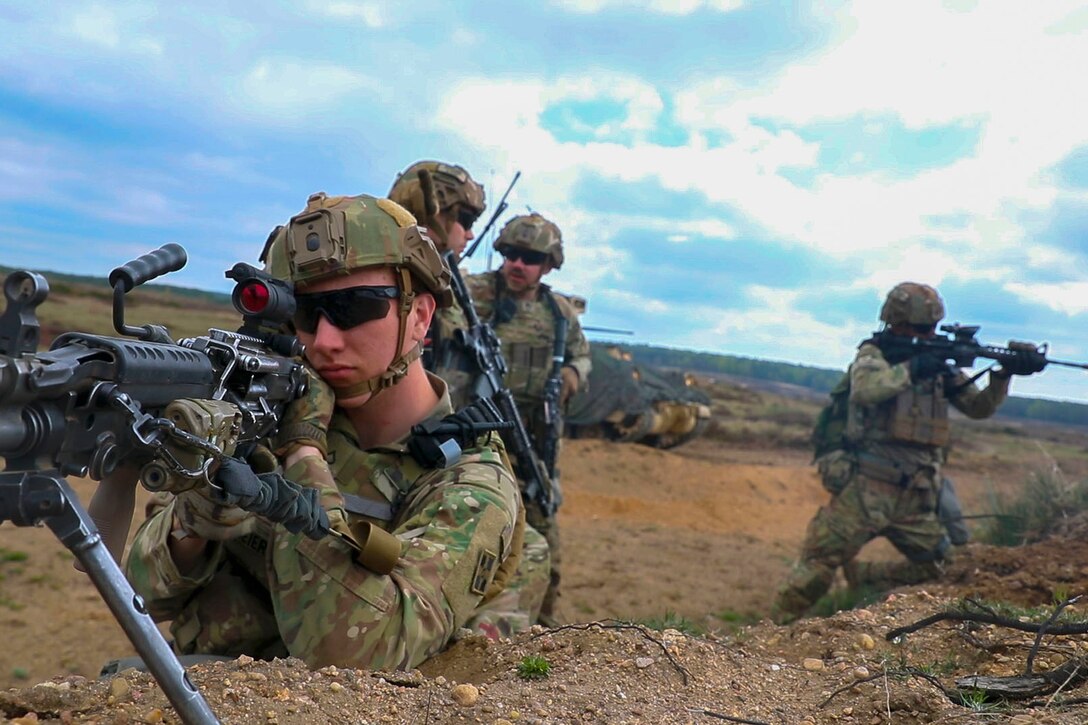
(806, 584)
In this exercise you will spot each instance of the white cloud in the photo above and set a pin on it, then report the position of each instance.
(113, 29)
(372, 14)
(665, 7)
(1068, 298)
(286, 90)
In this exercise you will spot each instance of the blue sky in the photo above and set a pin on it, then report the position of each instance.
(739, 177)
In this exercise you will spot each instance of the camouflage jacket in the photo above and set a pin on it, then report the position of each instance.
(456, 530)
(528, 337)
(875, 388)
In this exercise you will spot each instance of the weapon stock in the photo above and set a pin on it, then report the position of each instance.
(480, 339)
(141, 407)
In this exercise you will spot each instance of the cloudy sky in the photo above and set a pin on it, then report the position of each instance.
(732, 176)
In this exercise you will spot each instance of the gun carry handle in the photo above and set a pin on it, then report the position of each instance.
(111, 508)
(165, 259)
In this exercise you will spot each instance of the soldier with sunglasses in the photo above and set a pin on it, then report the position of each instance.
(525, 314)
(886, 480)
(448, 216)
(415, 550)
(457, 203)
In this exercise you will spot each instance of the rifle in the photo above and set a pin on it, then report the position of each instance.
(961, 347)
(98, 406)
(479, 338)
(499, 209)
(553, 418)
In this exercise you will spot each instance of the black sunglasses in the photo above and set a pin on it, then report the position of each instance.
(344, 308)
(528, 256)
(467, 217)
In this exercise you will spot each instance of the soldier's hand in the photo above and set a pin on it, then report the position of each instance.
(306, 420)
(570, 384)
(201, 515)
(927, 365)
(1028, 360)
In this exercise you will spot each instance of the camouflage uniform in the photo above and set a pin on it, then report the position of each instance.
(414, 552)
(888, 481)
(527, 345)
(276, 593)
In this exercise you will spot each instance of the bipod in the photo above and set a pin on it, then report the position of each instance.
(28, 498)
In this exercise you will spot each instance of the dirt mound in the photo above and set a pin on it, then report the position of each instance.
(703, 533)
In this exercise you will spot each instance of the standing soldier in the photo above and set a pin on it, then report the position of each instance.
(459, 201)
(417, 545)
(530, 319)
(884, 472)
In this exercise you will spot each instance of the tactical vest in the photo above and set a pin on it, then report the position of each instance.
(917, 415)
(529, 363)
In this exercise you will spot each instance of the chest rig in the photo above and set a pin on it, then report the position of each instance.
(917, 415)
(529, 360)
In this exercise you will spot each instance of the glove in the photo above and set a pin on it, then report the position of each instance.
(272, 496)
(569, 385)
(204, 517)
(306, 420)
(926, 366)
(1028, 360)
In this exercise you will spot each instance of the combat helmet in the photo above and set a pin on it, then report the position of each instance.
(532, 231)
(335, 235)
(912, 303)
(452, 186)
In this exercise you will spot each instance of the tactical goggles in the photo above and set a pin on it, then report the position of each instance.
(466, 217)
(527, 256)
(344, 308)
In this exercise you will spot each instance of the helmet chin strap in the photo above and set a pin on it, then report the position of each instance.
(398, 368)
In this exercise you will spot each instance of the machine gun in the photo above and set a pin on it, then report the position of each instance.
(106, 407)
(961, 347)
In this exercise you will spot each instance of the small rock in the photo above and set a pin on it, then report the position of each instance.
(440, 680)
(643, 662)
(865, 615)
(812, 664)
(465, 695)
(336, 687)
(503, 721)
(244, 660)
(119, 688)
(860, 673)
(865, 641)
(154, 717)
